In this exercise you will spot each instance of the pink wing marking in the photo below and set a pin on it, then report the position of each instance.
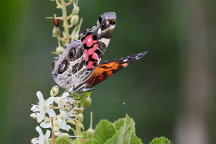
(89, 41)
(92, 46)
(95, 46)
(90, 65)
(91, 51)
(95, 56)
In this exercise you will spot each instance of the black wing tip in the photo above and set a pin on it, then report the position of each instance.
(133, 58)
(140, 55)
(128, 59)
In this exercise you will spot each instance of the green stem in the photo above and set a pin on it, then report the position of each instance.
(65, 21)
(91, 119)
(80, 23)
(78, 132)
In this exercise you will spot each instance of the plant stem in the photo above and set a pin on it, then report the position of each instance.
(53, 135)
(65, 21)
(78, 132)
(91, 119)
(78, 123)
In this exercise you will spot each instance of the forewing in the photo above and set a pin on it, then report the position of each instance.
(97, 38)
(108, 68)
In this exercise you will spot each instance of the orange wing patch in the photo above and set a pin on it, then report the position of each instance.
(107, 68)
(103, 71)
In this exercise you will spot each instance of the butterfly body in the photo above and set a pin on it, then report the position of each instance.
(78, 68)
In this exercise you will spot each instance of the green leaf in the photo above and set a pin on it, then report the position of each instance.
(119, 123)
(117, 138)
(121, 131)
(126, 133)
(63, 140)
(160, 140)
(135, 139)
(104, 131)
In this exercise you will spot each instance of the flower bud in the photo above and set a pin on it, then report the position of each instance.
(80, 117)
(90, 132)
(65, 104)
(75, 36)
(74, 20)
(54, 91)
(59, 50)
(87, 102)
(80, 125)
(75, 10)
(55, 31)
(64, 135)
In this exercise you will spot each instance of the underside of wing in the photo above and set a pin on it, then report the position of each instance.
(108, 68)
(97, 38)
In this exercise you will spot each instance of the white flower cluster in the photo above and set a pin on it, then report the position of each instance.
(53, 113)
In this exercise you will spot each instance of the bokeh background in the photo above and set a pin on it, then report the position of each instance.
(170, 92)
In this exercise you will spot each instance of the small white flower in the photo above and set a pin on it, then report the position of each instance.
(35, 141)
(44, 107)
(34, 115)
(65, 94)
(65, 103)
(63, 124)
(35, 108)
(64, 135)
(65, 115)
(46, 123)
(58, 123)
(54, 91)
(42, 139)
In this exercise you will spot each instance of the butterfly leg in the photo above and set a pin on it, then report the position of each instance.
(86, 90)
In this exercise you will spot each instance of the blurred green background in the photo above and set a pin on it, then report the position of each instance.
(170, 92)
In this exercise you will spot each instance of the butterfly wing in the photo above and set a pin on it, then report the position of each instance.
(108, 68)
(97, 38)
(71, 73)
(70, 69)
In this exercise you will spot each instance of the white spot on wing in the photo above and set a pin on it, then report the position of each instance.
(105, 41)
(137, 57)
(99, 31)
(125, 60)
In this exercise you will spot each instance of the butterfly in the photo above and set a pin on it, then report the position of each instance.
(79, 67)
